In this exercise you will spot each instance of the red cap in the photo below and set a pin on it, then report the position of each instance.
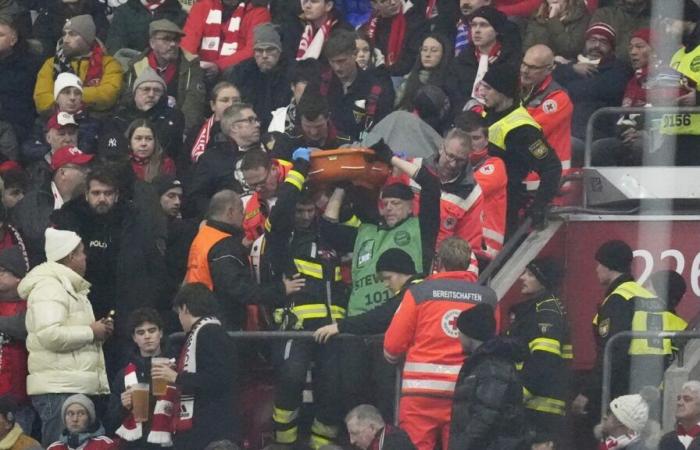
(59, 120)
(644, 34)
(69, 155)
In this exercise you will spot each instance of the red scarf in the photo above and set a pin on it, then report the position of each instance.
(152, 5)
(312, 41)
(95, 69)
(200, 144)
(396, 36)
(430, 9)
(213, 46)
(693, 432)
(167, 74)
(494, 53)
(635, 92)
(161, 423)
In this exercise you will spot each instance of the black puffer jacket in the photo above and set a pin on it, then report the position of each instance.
(19, 71)
(487, 412)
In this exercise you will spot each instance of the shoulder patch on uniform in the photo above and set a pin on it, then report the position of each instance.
(550, 106)
(487, 169)
(544, 327)
(695, 64)
(538, 149)
(604, 328)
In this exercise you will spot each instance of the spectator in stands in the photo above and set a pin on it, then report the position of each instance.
(625, 426)
(64, 339)
(221, 32)
(12, 435)
(83, 430)
(367, 57)
(125, 267)
(19, 67)
(433, 66)
(53, 14)
(487, 409)
(219, 166)
(595, 81)
(148, 101)
(262, 79)
(317, 130)
(301, 74)
(491, 176)
(219, 261)
(546, 101)
(146, 330)
(209, 356)
(303, 36)
(492, 46)
(146, 154)
(396, 28)
(16, 183)
(81, 53)
(184, 78)
(357, 99)
(130, 26)
(457, 28)
(13, 351)
(687, 432)
(223, 95)
(61, 130)
(518, 139)
(368, 430)
(625, 17)
(65, 182)
(561, 26)
(421, 332)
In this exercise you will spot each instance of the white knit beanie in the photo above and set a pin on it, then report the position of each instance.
(59, 243)
(64, 80)
(632, 410)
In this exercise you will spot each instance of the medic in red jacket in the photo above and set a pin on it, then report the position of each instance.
(424, 329)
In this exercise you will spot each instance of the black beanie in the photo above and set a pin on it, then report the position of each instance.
(615, 255)
(397, 190)
(505, 79)
(396, 260)
(547, 271)
(164, 182)
(493, 16)
(669, 285)
(12, 260)
(478, 322)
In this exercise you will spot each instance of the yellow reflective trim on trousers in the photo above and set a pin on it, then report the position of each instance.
(567, 351)
(284, 415)
(545, 345)
(286, 436)
(354, 222)
(543, 404)
(295, 179)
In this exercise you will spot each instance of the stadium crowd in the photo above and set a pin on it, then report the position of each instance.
(159, 174)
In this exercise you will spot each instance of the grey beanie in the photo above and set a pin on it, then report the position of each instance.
(82, 400)
(83, 25)
(147, 75)
(267, 36)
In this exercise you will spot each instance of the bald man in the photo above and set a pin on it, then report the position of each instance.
(548, 103)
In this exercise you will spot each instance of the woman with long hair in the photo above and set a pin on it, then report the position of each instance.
(223, 95)
(560, 25)
(145, 152)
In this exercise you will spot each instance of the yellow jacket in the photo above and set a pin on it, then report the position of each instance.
(97, 98)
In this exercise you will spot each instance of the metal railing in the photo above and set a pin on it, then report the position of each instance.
(629, 335)
(306, 335)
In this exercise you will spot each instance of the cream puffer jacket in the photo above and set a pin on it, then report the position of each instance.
(62, 355)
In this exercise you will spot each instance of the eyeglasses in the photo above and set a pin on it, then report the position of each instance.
(452, 158)
(252, 120)
(527, 66)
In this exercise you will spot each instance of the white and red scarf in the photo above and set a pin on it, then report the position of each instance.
(485, 60)
(200, 144)
(152, 5)
(213, 46)
(162, 416)
(311, 44)
(188, 363)
(396, 34)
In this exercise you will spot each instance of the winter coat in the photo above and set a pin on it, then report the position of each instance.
(31, 217)
(15, 439)
(487, 412)
(265, 91)
(96, 98)
(292, 29)
(18, 71)
(129, 27)
(63, 354)
(670, 441)
(13, 353)
(624, 24)
(565, 37)
(52, 15)
(187, 88)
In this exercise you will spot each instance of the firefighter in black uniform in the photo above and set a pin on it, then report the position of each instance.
(540, 324)
(292, 247)
(515, 137)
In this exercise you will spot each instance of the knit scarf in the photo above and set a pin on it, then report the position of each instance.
(167, 73)
(188, 363)
(200, 144)
(61, 64)
(162, 416)
(485, 59)
(462, 38)
(396, 35)
(430, 9)
(619, 442)
(152, 5)
(311, 44)
(212, 46)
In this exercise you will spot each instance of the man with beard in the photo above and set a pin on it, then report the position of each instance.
(82, 54)
(625, 17)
